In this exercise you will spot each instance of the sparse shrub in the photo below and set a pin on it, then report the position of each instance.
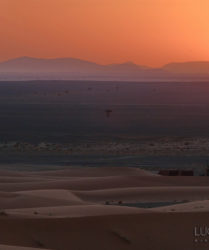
(39, 243)
(3, 213)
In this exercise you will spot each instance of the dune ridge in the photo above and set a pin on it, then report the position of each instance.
(98, 209)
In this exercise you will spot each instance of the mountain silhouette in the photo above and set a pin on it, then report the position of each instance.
(188, 68)
(29, 68)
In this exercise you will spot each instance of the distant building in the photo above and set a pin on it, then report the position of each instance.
(176, 172)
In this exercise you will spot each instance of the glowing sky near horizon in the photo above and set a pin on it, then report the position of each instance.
(147, 32)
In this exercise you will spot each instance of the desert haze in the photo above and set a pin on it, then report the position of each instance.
(28, 68)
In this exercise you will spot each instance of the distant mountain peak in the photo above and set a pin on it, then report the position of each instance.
(129, 63)
(193, 67)
(127, 66)
(32, 64)
(74, 68)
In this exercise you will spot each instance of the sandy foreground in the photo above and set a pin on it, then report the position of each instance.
(5, 247)
(92, 208)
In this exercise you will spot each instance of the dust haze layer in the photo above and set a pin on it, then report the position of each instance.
(152, 125)
(28, 68)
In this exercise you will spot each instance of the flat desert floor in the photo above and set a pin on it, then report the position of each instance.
(103, 208)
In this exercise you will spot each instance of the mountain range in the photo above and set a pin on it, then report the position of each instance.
(28, 68)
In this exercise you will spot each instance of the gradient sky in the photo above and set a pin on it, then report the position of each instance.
(147, 32)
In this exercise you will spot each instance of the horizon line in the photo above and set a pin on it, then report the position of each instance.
(101, 64)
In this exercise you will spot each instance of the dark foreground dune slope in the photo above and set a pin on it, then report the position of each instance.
(147, 231)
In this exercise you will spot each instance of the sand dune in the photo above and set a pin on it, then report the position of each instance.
(74, 210)
(6, 173)
(145, 194)
(15, 179)
(4, 247)
(53, 194)
(13, 200)
(108, 182)
(96, 172)
(146, 231)
(195, 206)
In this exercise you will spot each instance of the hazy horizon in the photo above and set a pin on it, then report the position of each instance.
(149, 32)
(103, 64)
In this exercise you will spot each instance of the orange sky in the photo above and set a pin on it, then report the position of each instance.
(150, 32)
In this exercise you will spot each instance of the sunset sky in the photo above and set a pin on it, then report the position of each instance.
(147, 32)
